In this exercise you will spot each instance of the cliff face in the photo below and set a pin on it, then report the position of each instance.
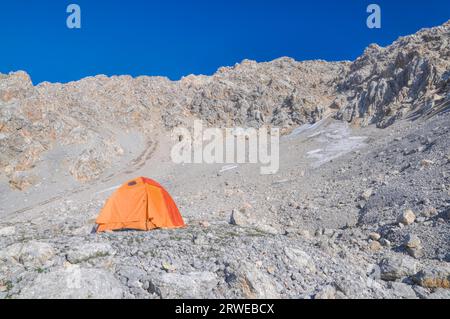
(412, 74)
(410, 77)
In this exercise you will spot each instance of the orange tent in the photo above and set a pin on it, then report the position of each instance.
(140, 204)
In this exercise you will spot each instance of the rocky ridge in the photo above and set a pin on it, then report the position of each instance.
(407, 78)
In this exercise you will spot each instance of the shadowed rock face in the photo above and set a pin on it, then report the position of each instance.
(384, 84)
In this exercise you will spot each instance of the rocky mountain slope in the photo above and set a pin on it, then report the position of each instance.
(383, 85)
(359, 208)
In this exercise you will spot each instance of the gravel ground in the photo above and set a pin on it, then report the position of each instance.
(311, 231)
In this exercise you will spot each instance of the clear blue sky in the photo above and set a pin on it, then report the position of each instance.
(177, 38)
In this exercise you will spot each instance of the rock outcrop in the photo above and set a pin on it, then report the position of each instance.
(411, 75)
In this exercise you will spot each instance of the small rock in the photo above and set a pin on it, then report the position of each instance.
(294, 204)
(168, 267)
(271, 270)
(305, 233)
(412, 241)
(204, 223)
(329, 292)
(199, 239)
(397, 267)
(299, 258)
(429, 211)
(7, 231)
(415, 252)
(384, 242)
(413, 246)
(420, 219)
(407, 217)
(374, 236)
(366, 194)
(375, 246)
(319, 232)
(328, 232)
(239, 217)
(426, 163)
(437, 277)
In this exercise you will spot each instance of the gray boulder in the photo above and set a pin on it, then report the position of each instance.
(31, 254)
(299, 259)
(251, 282)
(397, 267)
(192, 285)
(74, 283)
